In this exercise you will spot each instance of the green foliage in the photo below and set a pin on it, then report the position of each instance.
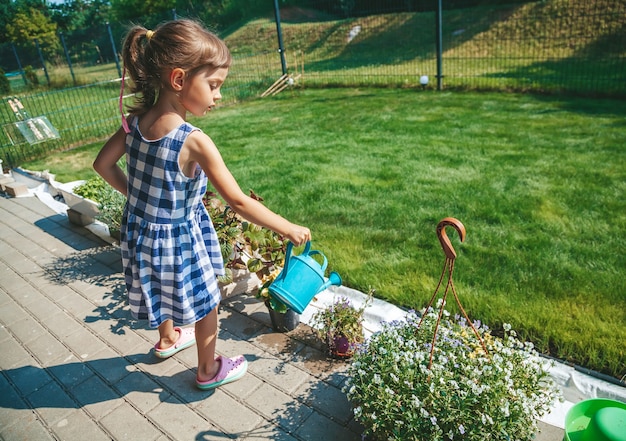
(110, 202)
(83, 23)
(244, 245)
(5, 86)
(111, 207)
(26, 26)
(131, 9)
(92, 189)
(31, 76)
(264, 294)
(399, 393)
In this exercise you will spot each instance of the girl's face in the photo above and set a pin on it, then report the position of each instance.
(202, 90)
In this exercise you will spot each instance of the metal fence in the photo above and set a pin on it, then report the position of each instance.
(550, 46)
(33, 124)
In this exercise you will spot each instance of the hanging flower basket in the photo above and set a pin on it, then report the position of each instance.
(465, 394)
(433, 377)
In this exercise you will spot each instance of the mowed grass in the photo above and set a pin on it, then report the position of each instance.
(538, 182)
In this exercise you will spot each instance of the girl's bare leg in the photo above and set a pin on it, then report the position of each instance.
(206, 339)
(167, 335)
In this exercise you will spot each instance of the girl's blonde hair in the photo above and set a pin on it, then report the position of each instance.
(149, 56)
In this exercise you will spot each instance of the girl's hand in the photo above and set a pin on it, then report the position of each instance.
(298, 235)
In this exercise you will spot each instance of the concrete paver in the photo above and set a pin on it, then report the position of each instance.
(76, 365)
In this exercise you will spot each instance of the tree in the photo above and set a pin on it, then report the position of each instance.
(132, 9)
(26, 26)
(79, 15)
(6, 11)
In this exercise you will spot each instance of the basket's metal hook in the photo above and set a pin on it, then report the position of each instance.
(443, 237)
(448, 268)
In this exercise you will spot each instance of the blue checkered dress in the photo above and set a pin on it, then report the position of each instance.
(170, 251)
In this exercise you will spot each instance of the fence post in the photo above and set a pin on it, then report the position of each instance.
(117, 62)
(439, 38)
(19, 64)
(67, 55)
(43, 63)
(281, 48)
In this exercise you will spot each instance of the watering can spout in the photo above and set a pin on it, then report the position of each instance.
(333, 279)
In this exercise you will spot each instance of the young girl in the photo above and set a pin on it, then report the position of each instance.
(170, 251)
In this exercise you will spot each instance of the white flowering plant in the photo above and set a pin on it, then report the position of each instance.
(464, 393)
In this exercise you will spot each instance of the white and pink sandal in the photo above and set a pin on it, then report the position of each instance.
(231, 369)
(186, 338)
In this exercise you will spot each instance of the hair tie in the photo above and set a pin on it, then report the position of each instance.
(149, 34)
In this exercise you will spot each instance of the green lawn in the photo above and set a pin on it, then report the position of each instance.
(539, 183)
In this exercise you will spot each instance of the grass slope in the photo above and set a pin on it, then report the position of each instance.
(539, 46)
(479, 31)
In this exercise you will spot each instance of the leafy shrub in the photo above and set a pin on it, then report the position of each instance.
(244, 245)
(112, 204)
(264, 294)
(31, 76)
(110, 201)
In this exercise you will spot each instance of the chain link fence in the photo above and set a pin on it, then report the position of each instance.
(551, 46)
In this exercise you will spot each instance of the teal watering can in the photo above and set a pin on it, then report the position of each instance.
(302, 278)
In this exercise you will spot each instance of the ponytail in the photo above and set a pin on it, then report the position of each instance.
(145, 80)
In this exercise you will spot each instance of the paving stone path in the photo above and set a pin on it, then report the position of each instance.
(76, 366)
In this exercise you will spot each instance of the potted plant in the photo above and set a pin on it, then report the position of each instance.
(106, 204)
(283, 318)
(111, 209)
(399, 393)
(82, 199)
(340, 326)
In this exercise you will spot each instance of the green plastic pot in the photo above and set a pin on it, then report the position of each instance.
(596, 419)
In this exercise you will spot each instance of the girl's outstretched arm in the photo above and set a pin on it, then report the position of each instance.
(199, 148)
(106, 162)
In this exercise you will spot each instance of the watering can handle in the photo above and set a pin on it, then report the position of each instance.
(325, 264)
(287, 257)
(307, 247)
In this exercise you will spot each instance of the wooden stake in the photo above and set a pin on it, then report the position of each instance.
(274, 86)
(286, 84)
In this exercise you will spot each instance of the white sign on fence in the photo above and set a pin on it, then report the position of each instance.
(28, 129)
